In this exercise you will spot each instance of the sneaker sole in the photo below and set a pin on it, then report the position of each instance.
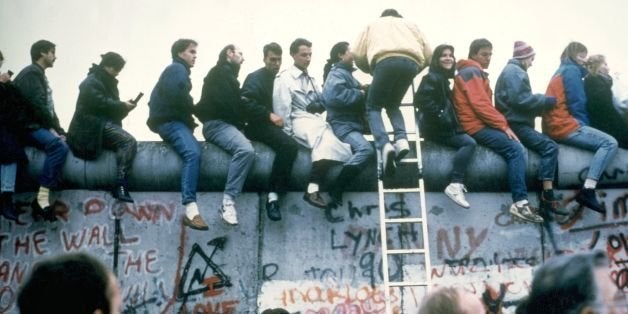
(390, 167)
(402, 153)
(524, 218)
(453, 199)
(590, 206)
(188, 223)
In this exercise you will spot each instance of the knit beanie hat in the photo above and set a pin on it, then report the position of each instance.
(522, 50)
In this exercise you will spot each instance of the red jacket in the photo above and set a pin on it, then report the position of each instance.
(473, 99)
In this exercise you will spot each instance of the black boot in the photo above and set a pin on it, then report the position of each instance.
(121, 192)
(586, 198)
(551, 204)
(8, 208)
(39, 213)
(347, 174)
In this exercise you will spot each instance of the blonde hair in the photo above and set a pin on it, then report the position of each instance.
(594, 63)
(442, 300)
(572, 50)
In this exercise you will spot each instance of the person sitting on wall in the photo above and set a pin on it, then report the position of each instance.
(97, 121)
(14, 114)
(574, 284)
(44, 131)
(297, 100)
(170, 116)
(220, 112)
(568, 121)
(344, 99)
(438, 121)
(602, 112)
(91, 287)
(514, 99)
(265, 126)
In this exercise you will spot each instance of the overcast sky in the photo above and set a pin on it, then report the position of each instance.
(143, 31)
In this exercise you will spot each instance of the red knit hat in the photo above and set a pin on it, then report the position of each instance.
(522, 50)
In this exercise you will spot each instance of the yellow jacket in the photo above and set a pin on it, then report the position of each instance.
(390, 37)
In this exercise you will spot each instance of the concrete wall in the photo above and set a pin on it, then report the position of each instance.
(313, 261)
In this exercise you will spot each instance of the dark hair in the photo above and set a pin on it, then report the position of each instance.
(564, 285)
(294, 46)
(112, 59)
(390, 12)
(274, 47)
(180, 46)
(1, 56)
(39, 47)
(573, 49)
(443, 300)
(275, 311)
(51, 282)
(222, 56)
(478, 44)
(435, 63)
(338, 48)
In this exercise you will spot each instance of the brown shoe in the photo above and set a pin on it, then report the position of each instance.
(196, 222)
(315, 199)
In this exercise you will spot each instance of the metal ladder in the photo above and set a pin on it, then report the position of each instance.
(422, 220)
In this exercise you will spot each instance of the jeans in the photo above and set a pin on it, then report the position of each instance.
(8, 172)
(513, 153)
(604, 146)
(466, 147)
(180, 137)
(542, 145)
(125, 146)
(56, 151)
(229, 138)
(391, 79)
(285, 149)
(361, 148)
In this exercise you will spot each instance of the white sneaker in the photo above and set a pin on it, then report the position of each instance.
(455, 191)
(402, 148)
(228, 213)
(388, 160)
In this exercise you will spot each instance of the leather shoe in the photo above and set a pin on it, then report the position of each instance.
(272, 210)
(196, 223)
(587, 198)
(39, 213)
(121, 193)
(315, 199)
(8, 208)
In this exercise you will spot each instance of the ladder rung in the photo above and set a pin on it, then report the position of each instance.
(409, 160)
(407, 190)
(407, 284)
(403, 220)
(406, 251)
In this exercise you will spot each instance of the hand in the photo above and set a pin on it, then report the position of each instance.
(5, 77)
(511, 135)
(315, 107)
(130, 105)
(276, 120)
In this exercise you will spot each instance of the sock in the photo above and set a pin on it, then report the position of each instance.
(43, 196)
(312, 187)
(191, 210)
(521, 203)
(272, 196)
(590, 183)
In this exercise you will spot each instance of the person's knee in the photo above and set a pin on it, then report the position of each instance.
(246, 151)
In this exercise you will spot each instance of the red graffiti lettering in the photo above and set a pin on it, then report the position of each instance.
(93, 206)
(151, 212)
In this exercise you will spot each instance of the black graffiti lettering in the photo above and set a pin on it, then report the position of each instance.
(185, 288)
(622, 279)
(367, 262)
(269, 270)
(408, 232)
(616, 242)
(620, 207)
(400, 207)
(333, 242)
(353, 211)
(330, 217)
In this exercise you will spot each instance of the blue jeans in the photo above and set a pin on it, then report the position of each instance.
(513, 153)
(229, 138)
(391, 79)
(56, 151)
(542, 145)
(604, 146)
(8, 172)
(361, 148)
(466, 147)
(180, 137)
